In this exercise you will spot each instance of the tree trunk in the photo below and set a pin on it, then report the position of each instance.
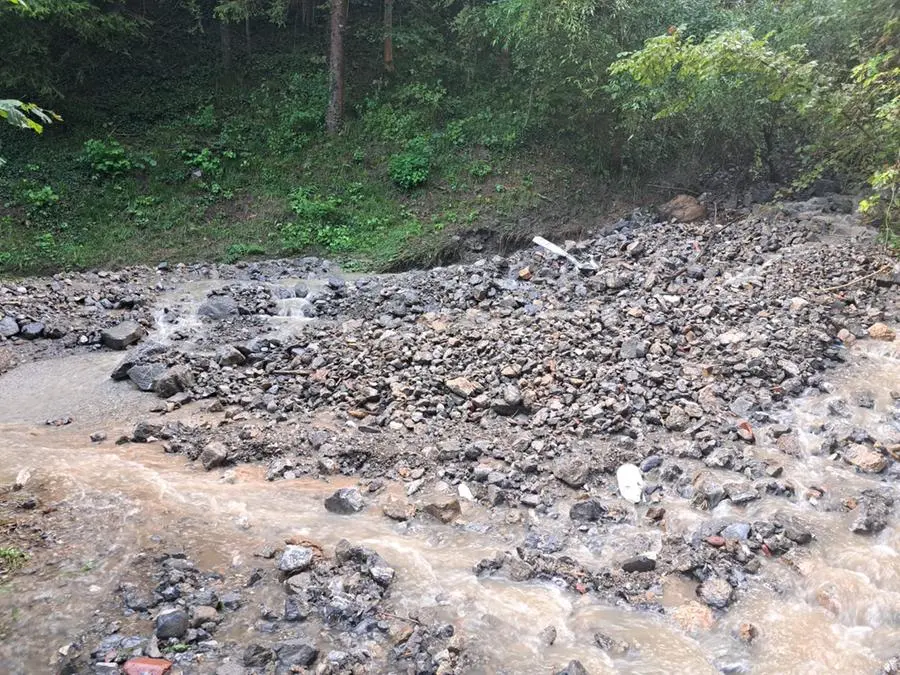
(247, 33)
(306, 14)
(389, 35)
(334, 118)
(225, 35)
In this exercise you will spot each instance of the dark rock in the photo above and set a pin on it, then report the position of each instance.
(256, 655)
(446, 510)
(587, 510)
(610, 644)
(173, 380)
(640, 563)
(172, 623)
(345, 501)
(229, 356)
(144, 376)
(122, 335)
(295, 559)
(574, 668)
(296, 653)
(32, 330)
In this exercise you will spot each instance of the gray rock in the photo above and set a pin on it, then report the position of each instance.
(144, 376)
(871, 514)
(716, 592)
(122, 335)
(399, 509)
(739, 531)
(229, 356)
(446, 510)
(137, 357)
(345, 501)
(257, 655)
(295, 559)
(573, 471)
(218, 307)
(172, 381)
(633, 348)
(215, 454)
(296, 653)
(8, 327)
(610, 644)
(547, 636)
(32, 330)
(587, 510)
(574, 668)
(172, 623)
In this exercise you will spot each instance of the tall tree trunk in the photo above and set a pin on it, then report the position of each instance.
(334, 118)
(306, 13)
(225, 35)
(247, 33)
(389, 35)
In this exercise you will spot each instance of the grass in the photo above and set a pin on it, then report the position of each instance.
(11, 558)
(219, 180)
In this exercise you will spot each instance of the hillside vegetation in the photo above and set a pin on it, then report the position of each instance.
(383, 134)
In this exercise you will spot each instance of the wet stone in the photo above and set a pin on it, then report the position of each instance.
(296, 653)
(547, 636)
(345, 501)
(446, 510)
(257, 655)
(610, 644)
(398, 509)
(32, 330)
(144, 376)
(215, 454)
(716, 592)
(218, 307)
(122, 335)
(295, 559)
(640, 563)
(573, 668)
(587, 510)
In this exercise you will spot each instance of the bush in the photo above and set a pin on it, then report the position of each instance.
(410, 169)
(321, 221)
(106, 158)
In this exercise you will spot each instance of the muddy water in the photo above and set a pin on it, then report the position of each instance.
(836, 611)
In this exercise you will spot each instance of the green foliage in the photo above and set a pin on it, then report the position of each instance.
(409, 169)
(480, 169)
(26, 115)
(39, 198)
(726, 96)
(106, 159)
(12, 558)
(237, 252)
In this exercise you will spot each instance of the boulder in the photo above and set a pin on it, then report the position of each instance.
(215, 454)
(32, 330)
(173, 380)
(218, 307)
(144, 376)
(345, 501)
(172, 623)
(122, 335)
(295, 559)
(8, 327)
(683, 208)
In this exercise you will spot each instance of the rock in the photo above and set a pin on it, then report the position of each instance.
(8, 327)
(122, 335)
(708, 492)
(694, 617)
(172, 623)
(747, 632)
(173, 380)
(229, 356)
(32, 330)
(257, 656)
(215, 454)
(630, 482)
(202, 614)
(683, 208)
(610, 644)
(295, 559)
(146, 666)
(871, 515)
(218, 307)
(144, 376)
(547, 636)
(345, 501)
(587, 510)
(574, 668)
(446, 510)
(462, 387)
(398, 509)
(296, 653)
(738, 531)
(640, 563)
(677, 419)
(716, 592)
(633, 348)
(880, 331)
(573, 471)
(866, 459)
(794, 530)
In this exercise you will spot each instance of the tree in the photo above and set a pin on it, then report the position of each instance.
(334, 118)
(389, 35)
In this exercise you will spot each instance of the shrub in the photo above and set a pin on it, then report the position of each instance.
(106, 158)
(410, 169)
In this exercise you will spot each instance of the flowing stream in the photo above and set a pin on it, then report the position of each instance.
(839, 612)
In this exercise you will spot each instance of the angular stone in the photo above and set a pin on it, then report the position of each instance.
(446, 510)
(716, 592)
(218, 307)
(462, 387)
(146, 666)
(633, 348)
(866, 459)
(573, 471)
(295, 559)
(174, 380)
(144, 376)
(32, 330)
(880, 331)
(399, 509)
(296, 653)
(694, 617)
(640, 563)
(122, 335)
(683, 208)
(574, 668)
(587, 510)
(345, 501)
(8, 327)
(229, 356)
(215, 454)
(202, 614)
(172, 623)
